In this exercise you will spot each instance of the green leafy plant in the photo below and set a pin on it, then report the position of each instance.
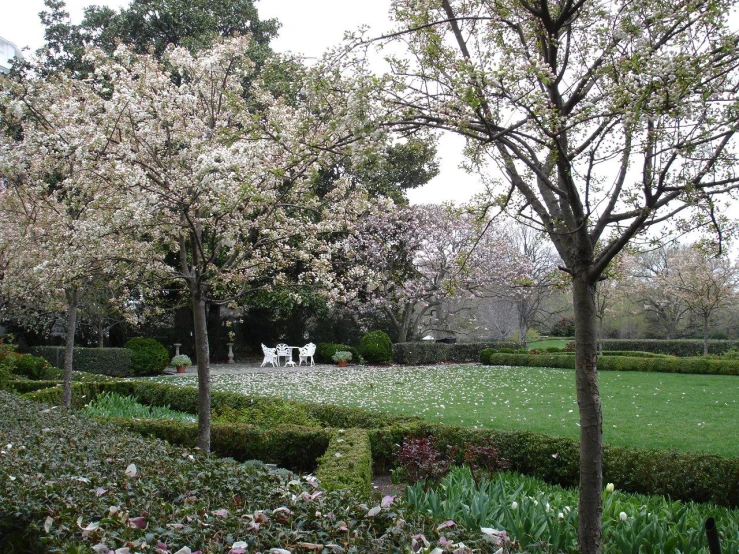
(341, 356)
(181, 359)
(110, 404)
(148, 356)
(376, 347)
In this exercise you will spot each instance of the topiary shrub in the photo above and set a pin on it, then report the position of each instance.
(376, 347)
(148, 356)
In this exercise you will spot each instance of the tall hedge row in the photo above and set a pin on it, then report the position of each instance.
(115, 362)
(678, 347)
(696, 365)
(427, 352)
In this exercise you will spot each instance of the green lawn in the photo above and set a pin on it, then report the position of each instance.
(657, 410)
(542, 344)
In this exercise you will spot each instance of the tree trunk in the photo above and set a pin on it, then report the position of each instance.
(590, 506)
(523, 324)
(705, 335)
(73, 298)
(202, 350)
(101, 335)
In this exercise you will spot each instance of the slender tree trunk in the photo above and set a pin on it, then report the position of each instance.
(705, 335)
(101, 335)
(523, 324)
(73, 298)
(590, 506)
(202, 350)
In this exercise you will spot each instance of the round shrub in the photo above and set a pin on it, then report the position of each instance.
(148, 356)
(376, 347)
(325, 352)
(34, 367)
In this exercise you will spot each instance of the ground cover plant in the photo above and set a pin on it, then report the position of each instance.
(543, 518)
(110, 404)
(644, 410)
(72, 484)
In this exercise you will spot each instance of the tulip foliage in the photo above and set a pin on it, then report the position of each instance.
(199, 169)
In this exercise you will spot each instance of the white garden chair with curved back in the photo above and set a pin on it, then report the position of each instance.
(270, 356)
(307, 352)
(284, 351)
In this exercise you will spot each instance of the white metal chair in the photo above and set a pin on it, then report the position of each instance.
(307, 352)
(284, 351)
(270, 356)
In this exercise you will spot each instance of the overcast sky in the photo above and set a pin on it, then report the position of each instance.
(308, 27)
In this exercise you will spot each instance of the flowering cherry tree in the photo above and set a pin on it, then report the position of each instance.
(702, 283)
(410, 262)
(61, 236)
(603, 120)
(219, 177)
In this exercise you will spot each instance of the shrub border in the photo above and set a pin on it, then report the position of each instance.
(679, 475)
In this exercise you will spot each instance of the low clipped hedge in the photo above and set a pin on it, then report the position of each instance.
(290, 446)
(678, 347)
(326, 350)
(115, 362)
(347, 463)
(185, 399)
(680, 475)
(697, 365)
(427, 352)
(556, 460)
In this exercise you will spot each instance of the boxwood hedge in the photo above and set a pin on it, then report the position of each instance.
(427, 352)
(678, 347)
(680, 475)
(115, 362)
(696, 365)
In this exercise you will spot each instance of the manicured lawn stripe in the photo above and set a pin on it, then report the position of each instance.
(647, 410)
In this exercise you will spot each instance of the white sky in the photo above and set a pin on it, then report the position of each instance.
(308, 27)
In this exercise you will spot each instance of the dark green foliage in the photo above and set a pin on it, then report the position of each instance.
(34, 368)
(291, 446)
(633, 354)
(376, 347)
(148, 356)
(698, 365)
(683, 476)
(326, 350)
(427, 352)
(485, 354)
(287, 412)
(681, 347)
(347, 463)
(115, 362)
(68, 466)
